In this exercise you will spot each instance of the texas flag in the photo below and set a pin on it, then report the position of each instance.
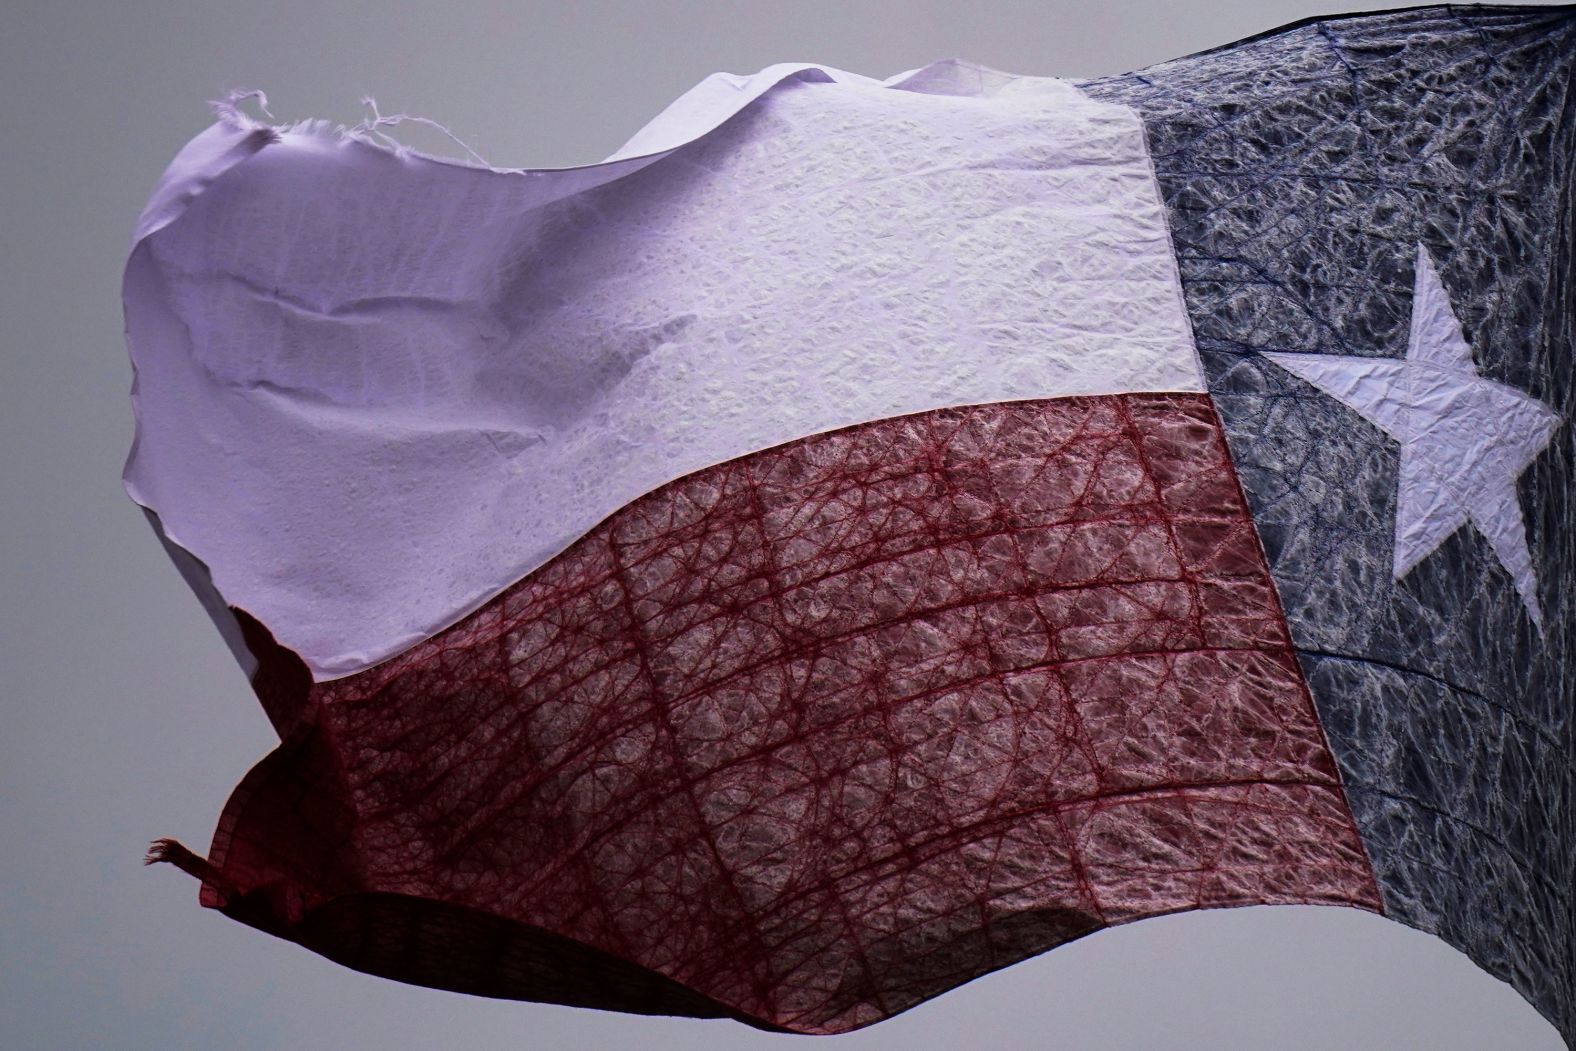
(868, 532)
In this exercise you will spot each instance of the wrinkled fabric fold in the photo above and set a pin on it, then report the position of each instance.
(365, 349)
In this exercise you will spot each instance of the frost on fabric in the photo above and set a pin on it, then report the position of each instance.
(1302, 171)
(813, 735)
(366, 351)
(1465, 440)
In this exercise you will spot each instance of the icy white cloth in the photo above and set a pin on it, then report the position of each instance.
(374, 388)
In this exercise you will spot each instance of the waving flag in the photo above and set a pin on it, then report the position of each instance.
(865, 533)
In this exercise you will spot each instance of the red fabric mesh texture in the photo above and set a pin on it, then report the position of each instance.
(813, 735)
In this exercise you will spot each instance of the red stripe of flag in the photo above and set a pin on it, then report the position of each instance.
(815, 734)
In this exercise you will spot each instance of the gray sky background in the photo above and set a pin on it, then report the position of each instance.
(123, 717)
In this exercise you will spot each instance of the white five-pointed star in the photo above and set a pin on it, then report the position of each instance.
(1464, 439)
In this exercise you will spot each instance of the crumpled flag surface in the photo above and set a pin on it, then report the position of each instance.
(864, 533)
